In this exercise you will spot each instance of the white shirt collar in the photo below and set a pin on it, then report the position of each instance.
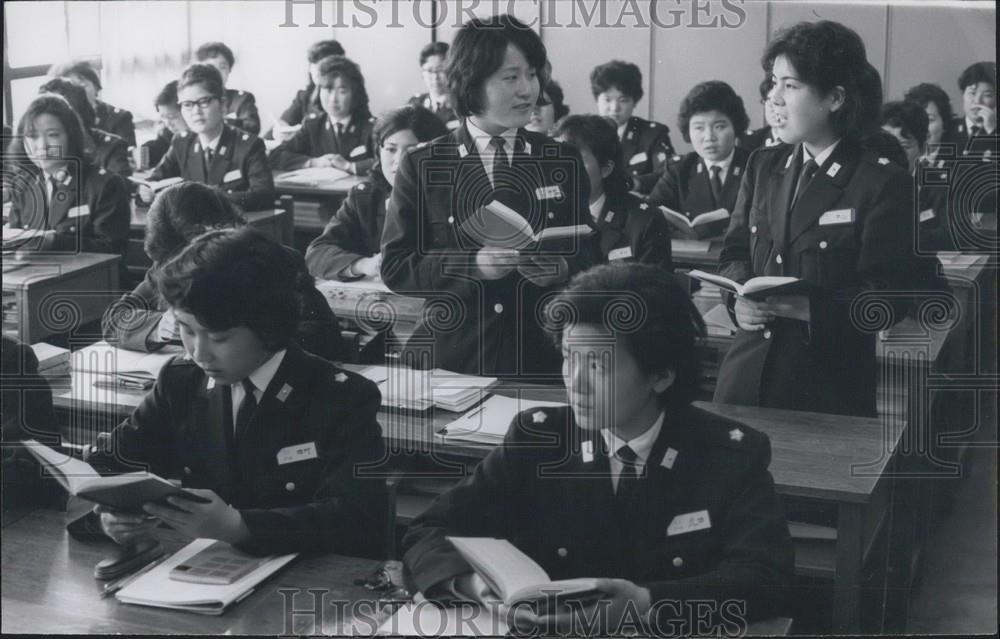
(345, 122)
(823, 155)
(482, 139)
(261, 376)
(621, 130)
(213, 144)
(641, 445)
(969, 124)
(597, 206)
(722, 164)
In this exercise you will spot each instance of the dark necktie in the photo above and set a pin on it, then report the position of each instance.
(500, 161)
(53, 189)
(807, 173)
(975, 131)
(247, 408)
(208, 160)
(628, 479)
(716, 182)
(338, 131)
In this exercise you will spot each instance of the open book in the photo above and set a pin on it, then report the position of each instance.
(126, 368)
(312, 176)
(514, 577)
(126, 492)
(14, 238)
(147, 190)
(756, 288)
(499, 226)
(156, 588)
(700, 226)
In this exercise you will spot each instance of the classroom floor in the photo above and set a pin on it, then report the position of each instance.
(957, 593)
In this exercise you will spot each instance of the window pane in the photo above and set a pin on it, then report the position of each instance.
(22, 92)
(36, 32)
(84, 29)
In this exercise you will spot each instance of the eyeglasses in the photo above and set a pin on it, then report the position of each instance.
(434, 70)
(189, 105)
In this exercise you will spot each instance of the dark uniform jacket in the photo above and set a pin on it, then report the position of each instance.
(303, 104)
(481, 327)
(133, 321)
(153, 150)
(757, 138)
(850, 232)
(317, 137)
(548, 490)
(685, 186)
(114, 120)
(646, 150)
(183, 429)
(981, 144)
(110, 152)
(933, 212)
(354, 232)
(633, 231)
(240, 109)
(89, 209)
(445, 113)
(239, 167)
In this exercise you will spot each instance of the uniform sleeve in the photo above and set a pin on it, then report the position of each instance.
(342, 242)
(319, 331)
(659, 154)
(347, 513)
(293, 153)
(296, 110)
(169, 165)
(247, 117)
(260, 192)
(363, 166)
(666, 191)
(132, 321)
(116, 160)
(653, 244)
(735, 259)
(479, 506)
(757, 556)
(126, 128)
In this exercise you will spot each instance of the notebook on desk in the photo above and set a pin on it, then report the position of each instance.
(488, 423)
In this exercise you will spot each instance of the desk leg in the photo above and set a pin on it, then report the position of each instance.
(847, 582)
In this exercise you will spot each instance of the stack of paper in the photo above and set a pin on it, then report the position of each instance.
(414, 389)
(312, 176)
(53, 361)
(488, 423)
(103, 358)
(156, 588)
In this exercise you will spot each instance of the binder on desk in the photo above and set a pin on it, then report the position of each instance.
(157, 589)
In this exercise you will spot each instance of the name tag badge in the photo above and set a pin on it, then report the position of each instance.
(588, 452)
(232, 116)
(637, 158)
(668, 458)
(232, 175)
(927, 214)
(837, 216)
(689, 522)
(79, 211)
(622, 253)
(548, 192)
(358, 150)
(452, 124)
(297, 453)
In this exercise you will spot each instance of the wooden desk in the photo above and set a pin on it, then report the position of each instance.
(686, 254)
(367, 304)
(57, 293)
(319, 188)
(49, 588)
(315, 204)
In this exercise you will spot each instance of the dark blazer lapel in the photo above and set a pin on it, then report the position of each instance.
(212, 435)
(779, 193)
(471, 177)
(222, 157)
(700, 190)
(196, 160)
(824, 190)
(731, 187)
(611, 230)
(630, 141)
(525, 154)
(65, 197)
(33, 201)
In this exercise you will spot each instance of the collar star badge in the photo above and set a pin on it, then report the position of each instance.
(736, 435)
(883, 161)
(538, 417)
(340, 377)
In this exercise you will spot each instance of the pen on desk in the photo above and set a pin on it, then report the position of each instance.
(120, 583)
(475, 412)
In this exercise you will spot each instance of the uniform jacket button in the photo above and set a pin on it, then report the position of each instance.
(778, 259)
(290, 486)
(823, 244)
(498, 307)
(562, 552)
(678, 562)
(187, 470)
(552, 215)
(767, 333)
(753, 229)
(451, 220)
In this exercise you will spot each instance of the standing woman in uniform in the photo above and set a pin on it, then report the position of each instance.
(822, 209)
(59, 190)
(496, 70)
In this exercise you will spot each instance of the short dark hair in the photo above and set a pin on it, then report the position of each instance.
(205, 75)
(554, 93)
(323, 49)
(926, 93)
(237, 277)
(213, 49)
(81, 68)
(713, 95)
(617, 74)
(826, 55)
(425, 125)
(181, 213)
(167, 95)
(59, 107)
(477, 52)
(76, 97)
(600, 136)
(338, 66)
(978, 72)
(659, 323)
(909, 117)
(884, 144)
(433, 49)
